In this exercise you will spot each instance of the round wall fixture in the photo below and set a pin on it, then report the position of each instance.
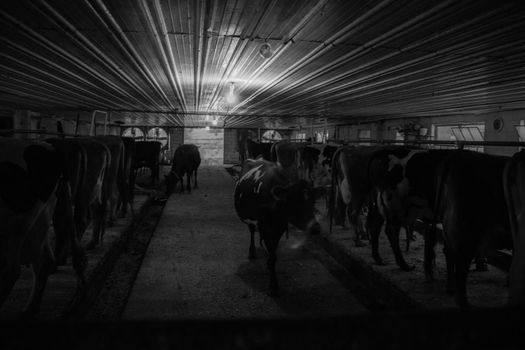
(497, 124)
(265, 50)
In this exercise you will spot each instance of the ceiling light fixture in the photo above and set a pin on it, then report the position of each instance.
(231, 98)
(265, 51)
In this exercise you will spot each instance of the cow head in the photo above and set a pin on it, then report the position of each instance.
(171, 181)
(297, 202)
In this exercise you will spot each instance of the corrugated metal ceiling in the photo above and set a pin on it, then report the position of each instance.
(348, 60)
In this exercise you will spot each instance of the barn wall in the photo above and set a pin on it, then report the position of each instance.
(210, 143)
(176, 137)
(231, 149)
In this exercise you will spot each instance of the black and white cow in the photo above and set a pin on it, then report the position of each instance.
(32, 181)
(266, 200)
(186, 161)
(359, 177)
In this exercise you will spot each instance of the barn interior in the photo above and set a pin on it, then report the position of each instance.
(212, 72)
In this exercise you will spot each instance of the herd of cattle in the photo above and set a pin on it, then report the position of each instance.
(69, 183)
(478, 198)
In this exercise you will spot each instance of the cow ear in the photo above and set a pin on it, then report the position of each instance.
(279, 193)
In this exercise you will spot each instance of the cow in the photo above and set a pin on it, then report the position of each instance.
(266, 200)
(147, 154)
(186, 160)
(471, 202)
(359, 177)
(256, 149)
(514, 189)
(32, 181)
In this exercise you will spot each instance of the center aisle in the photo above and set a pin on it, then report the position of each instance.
(197, 266)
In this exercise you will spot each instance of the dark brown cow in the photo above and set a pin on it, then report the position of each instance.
(514, 187)
(186, 161)
(32, 181)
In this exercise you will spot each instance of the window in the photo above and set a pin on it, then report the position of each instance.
(363, 135)
(157, 134)
(134, 132)
(301, 136)
(459, 132)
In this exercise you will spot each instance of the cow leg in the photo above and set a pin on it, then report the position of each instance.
(429, 254)
(61, 235)
(252, 254)
(99, 220)
(43, 265)
(392, 232)
(451, 267)
(271, 246)
(195, 180)
(409, 230)
(188, 181)
(9, 266)
(352, 212)
(374, 222)
(462, 266)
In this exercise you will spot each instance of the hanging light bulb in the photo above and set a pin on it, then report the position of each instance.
(231, 98)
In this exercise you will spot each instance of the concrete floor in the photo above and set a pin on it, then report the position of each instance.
(197, 266)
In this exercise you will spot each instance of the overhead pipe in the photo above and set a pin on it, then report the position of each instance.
(163, 46)
(409, 63)
(407, 49)
(314, 54)
(65, 71)
(240, 49)
(414, 22)
(374, 88)
(41, 40)
(66, 88)
(129, 50)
